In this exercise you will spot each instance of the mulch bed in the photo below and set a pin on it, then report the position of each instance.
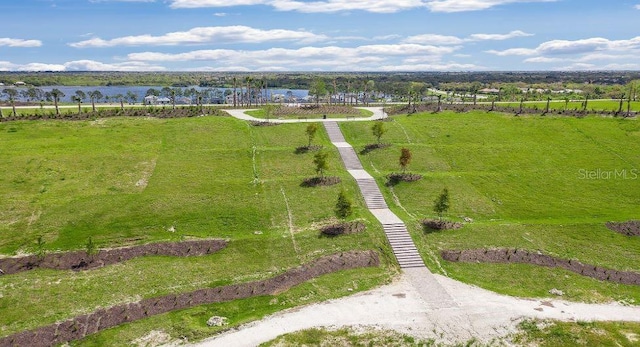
(630, 228)
(155, 112)
(305, 149)
(320, 181)
(395, 178)
(525, 257)
(84, 325)
(80, 260)
(342, 228)
(373, 146)
(263, 123)
(440, 224)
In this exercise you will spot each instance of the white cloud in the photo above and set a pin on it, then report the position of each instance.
(513, 51)
(498, 37)
(94, 1)
(5, 41)
(542, 60)
(432, 67)
(435, 39)
(201, 35)
(575, 47)
(471, 5)
(80, 65)
(637, 7)
(330, 58)
(594, 53)
(376, 6)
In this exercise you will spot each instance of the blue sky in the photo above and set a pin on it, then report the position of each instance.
(319, 35)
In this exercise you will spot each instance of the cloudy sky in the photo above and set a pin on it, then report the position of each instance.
(319, 35)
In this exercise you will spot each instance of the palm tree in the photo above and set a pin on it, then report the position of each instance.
(79, 97)
(94, 96)
(120, 98)
(235, 95)
(56, 94)
(132, 97)
(11, 95)
(247, 81)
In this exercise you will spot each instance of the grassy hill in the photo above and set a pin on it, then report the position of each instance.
(540, 183)
(127, 181)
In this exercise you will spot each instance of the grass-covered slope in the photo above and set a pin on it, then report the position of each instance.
(540, 183)
(127, 181)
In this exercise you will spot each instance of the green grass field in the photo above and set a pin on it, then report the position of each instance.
(527, 182)
(131, 181)
(592, 105)
(531, 333)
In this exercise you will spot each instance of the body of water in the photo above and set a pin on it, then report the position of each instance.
(141, 91)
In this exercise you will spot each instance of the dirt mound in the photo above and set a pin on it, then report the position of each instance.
(81, 326)
(342, 228)
(313, 110)
(263, 123)
(395, 178)
(439, 224)
(80, 260)
(525, 257)
(630, 228)
(156, 112)
(373, 146)
(305, 149)
(320, 181)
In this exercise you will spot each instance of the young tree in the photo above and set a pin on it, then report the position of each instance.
(91, 248)
(312, 128)
(441, 204)
(343, 207)
(11, 96)
(40, 251)
(320, 160)
(94, 96)
(318, 89)
(132, 97)
(405, 159)
(57, 94)
(79, 97)
(378, 130)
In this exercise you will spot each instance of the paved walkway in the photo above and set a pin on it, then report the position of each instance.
(479, 314)
(377, 114)
(418, 303)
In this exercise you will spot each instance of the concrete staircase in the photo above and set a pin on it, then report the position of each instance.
(401, 243)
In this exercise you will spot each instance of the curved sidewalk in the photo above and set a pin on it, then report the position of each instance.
(378, 114)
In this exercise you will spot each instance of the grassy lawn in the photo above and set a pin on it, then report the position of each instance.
(532, 333)
(547, 334)
(596, 105)
(526, 182)
(131, 181)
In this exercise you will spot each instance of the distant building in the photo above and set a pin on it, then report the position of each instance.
(278, 98)
(489, 91)
(154, 100)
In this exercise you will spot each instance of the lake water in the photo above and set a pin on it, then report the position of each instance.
(141, 91)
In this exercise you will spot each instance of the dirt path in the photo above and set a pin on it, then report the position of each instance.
(478, 314)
